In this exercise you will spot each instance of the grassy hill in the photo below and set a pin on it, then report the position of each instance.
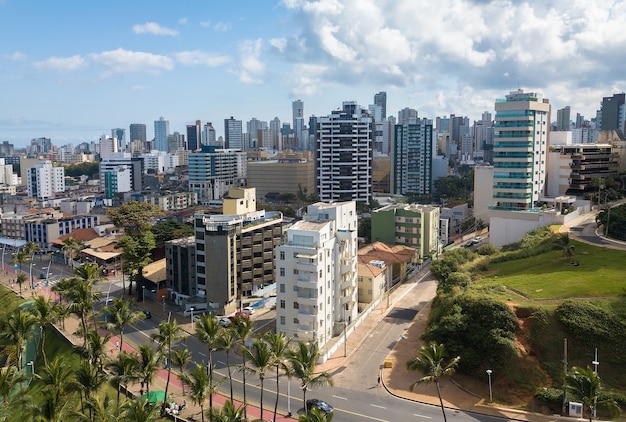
(553, 297)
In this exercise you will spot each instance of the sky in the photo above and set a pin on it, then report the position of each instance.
(73, 70)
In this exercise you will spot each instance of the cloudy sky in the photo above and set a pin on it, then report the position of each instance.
(72, 70)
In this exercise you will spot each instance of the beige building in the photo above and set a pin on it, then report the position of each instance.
(381, 173)
(374, 279)
(483, 194)
(282, 176)
(173, 202)
(239, 201)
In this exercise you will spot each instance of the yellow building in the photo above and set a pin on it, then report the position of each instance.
(281, 176)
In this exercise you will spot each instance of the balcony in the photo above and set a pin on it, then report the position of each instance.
(306, 317)
(349, 283)
(347, 266)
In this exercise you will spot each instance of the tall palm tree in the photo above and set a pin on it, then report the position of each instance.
(31, 249)
(140, 410)
(121, 314)
(124, 370)
(70, 249)
(81, 300)
(243, 327)
(261, 357)
(89, 378)
(199, 388)
(180, 358)
(208, 331)
(89, 273)
(169, 333)
(59, 381)
(584, 384)
(303, 362)
(95, 352)
(430, 361)
(228, 413)
(21, 257)
(226, 342)
(279, 345)
(16, 330)
(99, 409)
(10, 379)
(45, 311)
(149, 359)
(20, 279)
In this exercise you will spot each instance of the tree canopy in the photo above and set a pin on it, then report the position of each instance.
(134, 217)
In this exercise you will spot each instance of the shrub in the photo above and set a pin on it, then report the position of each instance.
(487, 249)
(588, 322)
(455, 279)
(552, 396)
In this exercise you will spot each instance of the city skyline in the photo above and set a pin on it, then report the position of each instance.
(73, 71)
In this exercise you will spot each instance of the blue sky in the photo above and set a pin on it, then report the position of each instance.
(73, 70)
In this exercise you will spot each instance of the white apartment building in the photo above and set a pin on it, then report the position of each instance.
(7, 177)
(44, 181)
(108, 147)
(316, 273)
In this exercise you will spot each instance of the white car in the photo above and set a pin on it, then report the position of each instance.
(248, 310)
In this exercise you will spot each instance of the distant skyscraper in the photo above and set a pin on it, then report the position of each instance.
(120, 135)
(298, 124)
(612, 113)
(407, 115)
(380, 100)
(175, 142)
(138, 132)
(161, 130)
(344, 155)
(108, 147)
(208, 135)
(194, 136)
(297, 111)
(563, 119)
(275, 133)
(233, 133)
(411, 165)
(519, 154)
(253, 127)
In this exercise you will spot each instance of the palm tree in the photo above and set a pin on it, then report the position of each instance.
(279, 345)
(228, 413)
(140, 410)
(243, 327)
(45, 311)
(95, 352)
(303, 361)
(430, 362)
(261, 357)
(121, 314)
(563, 243)
(81, 302)
(180, 358)
(20, 279)
(315, 415)
(89, 378)
(21, 257)
(148, 364)
(10, 379)
(584, 384)
(70, 248)
(100, 410)
(169, 333)
(16, 330)
(31, 249)
(199, 387)
(124, 370)
(209, 331)
(226, 342)
(59, 382)
(89, 273)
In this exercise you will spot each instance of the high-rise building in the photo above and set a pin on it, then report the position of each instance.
(161, 130)
(412, 157)
(122, 169)
(522, 127)
(344, 155)
(563, 119)
(297, 108)
(208, 136)
(138, 132)
(316, 273)
(108, 147)
(406, 114)
(274, 133)
(254, 128)
(175, 142)
(194, 136)
(233, 134)
(120, 135)
(613, 113)
(380, 100)
(44, 180)
(214, 171)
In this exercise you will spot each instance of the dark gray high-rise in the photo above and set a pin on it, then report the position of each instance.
(613, 112)
(138, 132)
(380, 100)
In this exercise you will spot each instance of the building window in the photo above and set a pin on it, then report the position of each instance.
(296, 288)
(321, 274)
(282, 272)
(281, 287)
(282, 304)
(282, 255)
(296, 321)
(296, 271)
(296, 305)
(328, 268)
(282, 320)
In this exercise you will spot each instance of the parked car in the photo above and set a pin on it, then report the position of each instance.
(477, 239)
(248, 309)
(147, 314)
(224, 321)
(468, 244)
(320, 404)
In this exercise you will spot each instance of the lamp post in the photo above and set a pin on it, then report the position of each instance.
(288, 392)
(163, 302)
(595, 364)
(489, 372)
(3, 248)
(191, 309)
(30, 273)
(32, 367)
(143, 294)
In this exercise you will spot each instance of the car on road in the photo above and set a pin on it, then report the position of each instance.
(476, 240)
(468, 244)
(248, 310)
(224, 322)
(147, 314)
(320, 404)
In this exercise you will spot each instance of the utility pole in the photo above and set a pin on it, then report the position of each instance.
(564, 373)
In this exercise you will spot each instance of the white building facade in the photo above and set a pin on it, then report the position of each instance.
(316, 273)
(44, 180)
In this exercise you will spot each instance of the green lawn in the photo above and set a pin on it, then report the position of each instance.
(600, 273)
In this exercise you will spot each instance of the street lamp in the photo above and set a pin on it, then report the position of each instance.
(595, 364)
(143, 294)
(191, 309)
(163, 302)
(288, 391)
(32, 366)
(489, 371)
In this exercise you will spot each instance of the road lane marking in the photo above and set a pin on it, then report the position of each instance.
(221, 363)
(422, 416)
(339, 397)
(380, 407)
(201, 354)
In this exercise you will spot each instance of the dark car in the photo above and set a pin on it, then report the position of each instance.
(147, 314)
(320, 404)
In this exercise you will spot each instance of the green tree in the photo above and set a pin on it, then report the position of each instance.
(228, 413)
(181, 358)
(10, 379)
(123, 370)
(199, 388)
(59, 382)
(80, 296)
(564, 244)
(140, 410)
(70, 249)
(99, 409)
(120, 315)
(226, 342)
(584, 385)
(21, 257)
(261, 357)
(45, 311)
(20, 279)
(315, 415)
(279, 346)
(303, 362)
(15, 331)
(136, 254)
(134, 217)
(89, 378)
(148, 364)
(208, 331)
(430, 361)
(365, 229)
(169, 230)
(169, 333)
(95, 352)
(243, 327)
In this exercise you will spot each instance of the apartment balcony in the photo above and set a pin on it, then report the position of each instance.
(268, 256)
(257, 237)
(349, 283)
(305, 266)
(347, 266)
(268, 266)
(306, 300)
(307, 318)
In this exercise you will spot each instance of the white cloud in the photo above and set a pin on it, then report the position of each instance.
(250, 62)
(154, 29)
(16, 57)
(198, 57)
(62, 63)
(125, 61)
(279, 43)
(221, 26)
(308, 79)
(205, 24)
(183, 21)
